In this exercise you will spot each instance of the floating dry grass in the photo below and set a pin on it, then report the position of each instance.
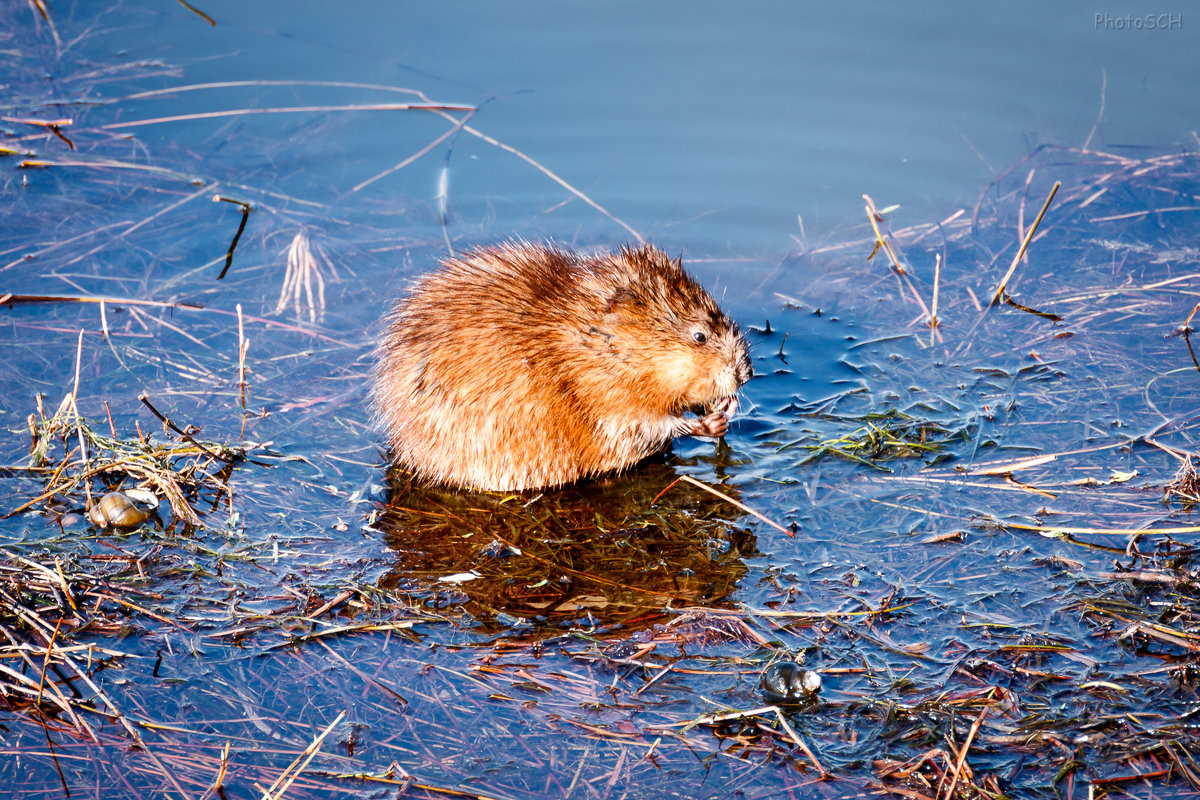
(74, 455)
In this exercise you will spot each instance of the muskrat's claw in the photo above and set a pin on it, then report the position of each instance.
(715, 424)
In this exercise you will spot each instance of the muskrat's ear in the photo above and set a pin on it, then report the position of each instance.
(622, 298)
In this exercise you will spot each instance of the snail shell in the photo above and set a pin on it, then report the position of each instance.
(785, 681)
(117, 510)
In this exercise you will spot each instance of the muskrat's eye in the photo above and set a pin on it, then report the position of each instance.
(700, 336)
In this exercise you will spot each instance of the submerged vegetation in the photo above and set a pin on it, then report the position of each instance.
(993, 573)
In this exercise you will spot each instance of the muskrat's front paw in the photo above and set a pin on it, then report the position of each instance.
(715, 424)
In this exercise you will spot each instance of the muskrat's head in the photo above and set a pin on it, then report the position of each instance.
(697, 356)
(710, 364)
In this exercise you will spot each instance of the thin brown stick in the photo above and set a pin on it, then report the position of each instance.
(146, 402)
(46, 660)
(197, 12)
(1024, 244)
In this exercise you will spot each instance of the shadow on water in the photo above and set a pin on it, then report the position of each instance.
(597, 555)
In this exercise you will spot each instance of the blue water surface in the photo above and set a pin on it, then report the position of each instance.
(741, 136)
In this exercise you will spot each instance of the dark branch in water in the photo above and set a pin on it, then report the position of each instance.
(183, 434)
(241, 227)
(197, 12)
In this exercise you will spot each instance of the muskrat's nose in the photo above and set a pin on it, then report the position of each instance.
(744, 369)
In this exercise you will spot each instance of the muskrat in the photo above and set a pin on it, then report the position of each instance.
(520, 366)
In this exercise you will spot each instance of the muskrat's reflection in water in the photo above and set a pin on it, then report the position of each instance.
(595, 555)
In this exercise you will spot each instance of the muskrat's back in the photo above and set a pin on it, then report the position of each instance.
(524, 365)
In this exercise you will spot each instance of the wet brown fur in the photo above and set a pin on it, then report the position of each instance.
(523, 365)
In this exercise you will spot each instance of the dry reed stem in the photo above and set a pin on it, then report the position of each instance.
(882, 242)
(109, 163)
(1000, 288)
(1055, 530)
(726, 498)
(289, 775)
(795, 737)
(199, 87)
(240, 112)
(219, 781)
(243, 347)
(549, 174)
(933, 311)
(458, 125)
(303, 273)
(962, 753)
(713, 719)
(1187, 322)
(885, 243)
